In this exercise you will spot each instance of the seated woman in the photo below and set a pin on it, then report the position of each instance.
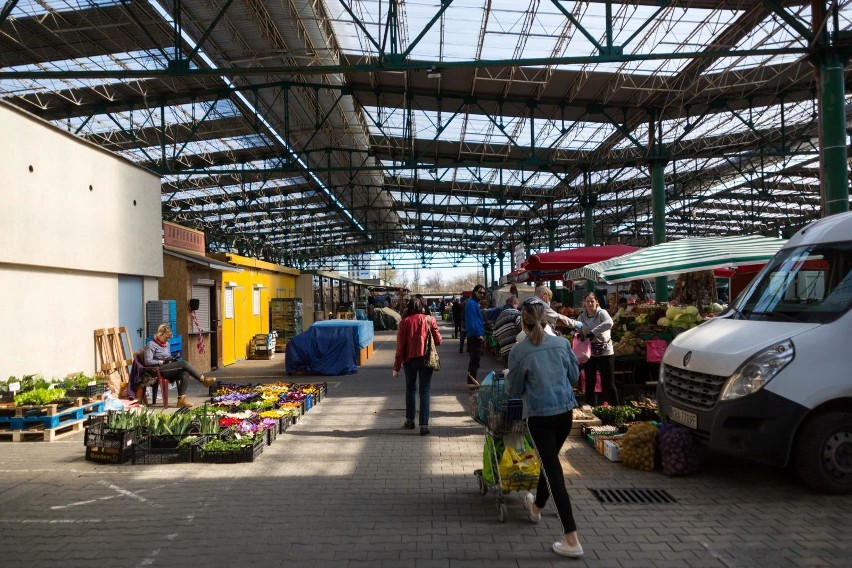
(157, 354)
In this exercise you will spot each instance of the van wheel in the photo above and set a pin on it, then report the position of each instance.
(823, 453)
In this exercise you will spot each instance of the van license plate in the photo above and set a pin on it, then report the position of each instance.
(686, 418)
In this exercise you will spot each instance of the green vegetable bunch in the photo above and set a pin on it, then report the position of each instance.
(616, 415)
(77, 381)
(39, 396)
(27, 382)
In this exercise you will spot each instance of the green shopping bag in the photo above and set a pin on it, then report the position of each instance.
(489, 458)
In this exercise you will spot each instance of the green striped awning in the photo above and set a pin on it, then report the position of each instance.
(691, 255)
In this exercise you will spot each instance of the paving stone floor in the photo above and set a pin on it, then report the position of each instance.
(347, 486)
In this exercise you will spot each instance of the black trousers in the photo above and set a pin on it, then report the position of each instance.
(474, 348)
(606, 365)
(179, 372)
(549, 434)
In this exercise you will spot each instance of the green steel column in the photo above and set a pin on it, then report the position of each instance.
(835, 187)
(500, 254)
(588, 201)
(491, 284)
(658, 194)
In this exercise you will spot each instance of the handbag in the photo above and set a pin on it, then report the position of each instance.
(582, 349)
(599, 348)
(655, 349)
(430, 353)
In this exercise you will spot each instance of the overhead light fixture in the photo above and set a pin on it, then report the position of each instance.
(433, 73)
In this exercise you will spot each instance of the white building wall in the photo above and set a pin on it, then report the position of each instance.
(74, 218)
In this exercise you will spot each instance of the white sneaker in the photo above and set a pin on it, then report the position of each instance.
(562, 548)
(528, 502)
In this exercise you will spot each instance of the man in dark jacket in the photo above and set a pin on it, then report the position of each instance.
(457, 317)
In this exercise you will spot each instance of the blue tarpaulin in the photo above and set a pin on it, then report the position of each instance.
(322, 351)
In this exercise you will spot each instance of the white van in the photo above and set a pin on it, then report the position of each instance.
(770, 378)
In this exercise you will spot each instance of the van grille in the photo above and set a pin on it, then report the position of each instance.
(697, 390)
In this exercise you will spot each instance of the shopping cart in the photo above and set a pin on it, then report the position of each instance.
(507, 439)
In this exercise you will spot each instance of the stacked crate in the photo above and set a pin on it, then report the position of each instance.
(262, 346)
(285, 317)
(163, 311)
(158, 312)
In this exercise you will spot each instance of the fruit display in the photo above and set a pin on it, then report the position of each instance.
(677, 450)
(638, 450)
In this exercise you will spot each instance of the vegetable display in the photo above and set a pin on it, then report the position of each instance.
(615, 415)
(677, 450)
(39, 397)
(639, 447)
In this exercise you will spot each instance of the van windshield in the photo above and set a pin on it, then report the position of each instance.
(809, 284)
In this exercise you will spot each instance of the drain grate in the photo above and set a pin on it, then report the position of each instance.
(633, 496)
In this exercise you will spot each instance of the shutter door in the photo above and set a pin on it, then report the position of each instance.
(202, 294)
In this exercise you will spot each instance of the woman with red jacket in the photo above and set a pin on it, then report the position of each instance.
(410, 348)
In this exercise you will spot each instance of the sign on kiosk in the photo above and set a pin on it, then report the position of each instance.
(183, 238)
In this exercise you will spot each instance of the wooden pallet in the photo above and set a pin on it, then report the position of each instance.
(40, 434)
(50, 416)
(113, 352)
(261, 355)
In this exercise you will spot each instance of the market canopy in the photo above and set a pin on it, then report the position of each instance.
(593, 271)
(561, 260)
(691, 255)
(512, 277)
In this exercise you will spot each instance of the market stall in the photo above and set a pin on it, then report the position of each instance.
(694, 296)
(691, 255)
(552, 265)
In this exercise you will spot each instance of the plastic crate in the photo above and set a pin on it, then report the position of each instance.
(284, 423)
(91, 391)
(247, 453)
(102, 437)
(109, 455)
(149, 453)
(271, 435)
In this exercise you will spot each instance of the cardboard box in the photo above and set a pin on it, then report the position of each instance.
(612, 451)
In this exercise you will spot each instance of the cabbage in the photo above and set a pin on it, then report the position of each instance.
(691, 310)
(664, 322)
(673, 312)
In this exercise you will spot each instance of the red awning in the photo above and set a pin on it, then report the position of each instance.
(742, 269)
(560, 261)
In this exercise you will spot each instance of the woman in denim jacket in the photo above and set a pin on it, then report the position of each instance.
(542, 371)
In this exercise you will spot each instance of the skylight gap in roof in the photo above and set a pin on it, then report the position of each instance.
(486, 129)
(512, 31)
(35, 8)
(183, 114)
